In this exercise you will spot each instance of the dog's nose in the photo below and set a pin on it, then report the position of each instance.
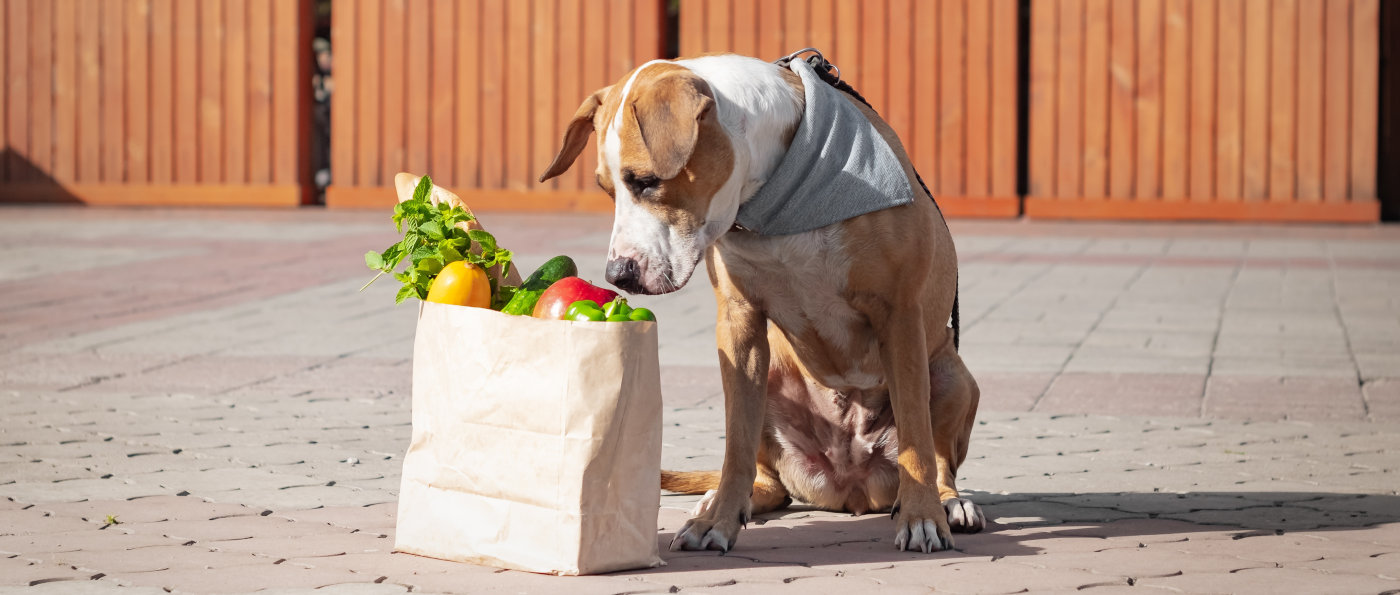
(623, 273)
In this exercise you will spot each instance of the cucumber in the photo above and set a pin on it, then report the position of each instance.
(554, 269)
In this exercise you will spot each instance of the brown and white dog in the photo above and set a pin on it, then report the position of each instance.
(855, 398)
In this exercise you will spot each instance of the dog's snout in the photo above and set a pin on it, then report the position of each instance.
(624, 274)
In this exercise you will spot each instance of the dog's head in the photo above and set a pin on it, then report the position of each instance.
(666, 161)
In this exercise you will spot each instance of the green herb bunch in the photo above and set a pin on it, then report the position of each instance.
(432, 240)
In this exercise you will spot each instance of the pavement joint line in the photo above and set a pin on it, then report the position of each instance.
(1215, 338)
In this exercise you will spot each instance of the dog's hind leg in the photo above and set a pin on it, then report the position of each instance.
(954, 397)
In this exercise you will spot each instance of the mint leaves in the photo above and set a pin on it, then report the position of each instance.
(432, 240)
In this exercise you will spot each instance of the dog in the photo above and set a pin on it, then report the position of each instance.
(854, 398)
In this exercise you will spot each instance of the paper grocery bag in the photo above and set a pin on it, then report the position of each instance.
(536, 443)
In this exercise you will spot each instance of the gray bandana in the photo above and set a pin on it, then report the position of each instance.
(837, 167)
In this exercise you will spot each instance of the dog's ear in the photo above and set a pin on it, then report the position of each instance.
(670, 121)
(576, 137)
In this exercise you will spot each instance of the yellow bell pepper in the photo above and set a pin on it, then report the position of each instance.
(461, 284)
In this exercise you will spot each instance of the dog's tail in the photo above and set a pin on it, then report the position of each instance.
(689, 482)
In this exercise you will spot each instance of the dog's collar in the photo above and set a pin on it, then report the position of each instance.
(837, 166)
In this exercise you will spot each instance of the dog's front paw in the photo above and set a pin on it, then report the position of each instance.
(709, 533)
(964, 516)
(921, 531)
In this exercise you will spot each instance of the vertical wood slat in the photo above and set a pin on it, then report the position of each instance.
(1123, 73)
(594, 78)
(442, 84)
(848, 36)
(369, 121)
(899, 103)
(211, 101)
(393, 89)
(823, 24)
(977, 182)
(1229, 102)
(1201, 186)
(1365, 63)
(1176, 56)
(1308, 165)
(570, 88)
(65, 88)
(795, 31)
(1336, 122)
(1257, 104)
(17, 89)
(112, 29)
(345, 40)
(517, 94)
(138, 113)
(692, 25)
(1069, 151)
(873, 67)
(1148, 105)
(719, 28)
(235, 100)
(4, 97)
(41, 87)
(1005, 40)
(744, 28)
(1094, 183)
(162, 161)
(771, 40)
(417, 96)
(543, 92)
(1283, 91)
(293, 31)
(924, 145)
(260, 93)
(89, 137)
(1043, 115)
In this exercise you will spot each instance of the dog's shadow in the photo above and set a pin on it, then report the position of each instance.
(1028, 524)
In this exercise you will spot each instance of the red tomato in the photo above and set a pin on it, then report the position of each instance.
(566, 291)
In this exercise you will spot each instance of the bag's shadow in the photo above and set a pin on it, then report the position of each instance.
(802, 537)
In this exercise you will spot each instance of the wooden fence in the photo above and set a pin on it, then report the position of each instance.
(476, 93)
(195, 102)
(942, 72)
(1204, 109)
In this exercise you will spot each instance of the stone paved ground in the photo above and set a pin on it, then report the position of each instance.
(1195, 408)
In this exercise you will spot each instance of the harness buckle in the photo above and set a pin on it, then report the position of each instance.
(818, 62)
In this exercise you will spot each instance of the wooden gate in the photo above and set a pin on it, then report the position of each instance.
(942, 72)
(476, 93)
(1204, 109)
(156, 101)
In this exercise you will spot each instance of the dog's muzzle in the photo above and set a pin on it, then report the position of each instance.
(624, 274)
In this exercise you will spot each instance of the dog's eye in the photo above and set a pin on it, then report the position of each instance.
(644, 186)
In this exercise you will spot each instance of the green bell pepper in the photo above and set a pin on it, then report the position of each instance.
(585, 311)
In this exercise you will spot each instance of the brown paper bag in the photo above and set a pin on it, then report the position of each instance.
(536, 443)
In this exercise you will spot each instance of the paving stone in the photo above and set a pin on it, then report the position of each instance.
(82, 587)
(1177, 395)
(39, 545)
(1276, 398)
(1273, 579)
(146, 510)
(149, 558)
(375, 517)
(235, 579)
(32, 520)
(23, 572)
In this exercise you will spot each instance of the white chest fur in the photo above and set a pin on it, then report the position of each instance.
(801, 279)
